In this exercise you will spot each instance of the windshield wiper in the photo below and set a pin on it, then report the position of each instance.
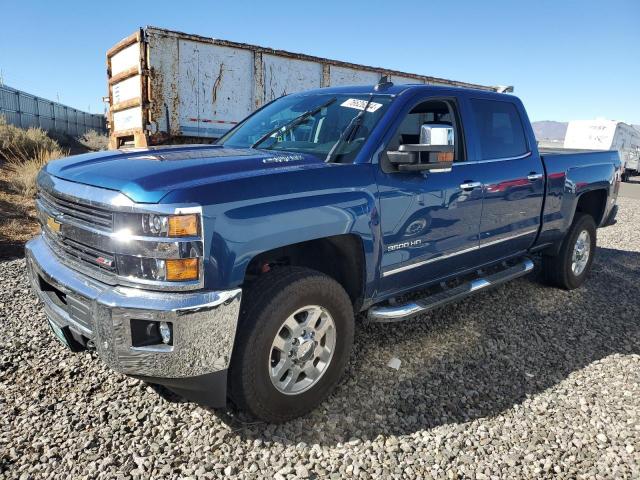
(296, 121)
(349, 132)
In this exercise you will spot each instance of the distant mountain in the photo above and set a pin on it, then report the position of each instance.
(549, 130)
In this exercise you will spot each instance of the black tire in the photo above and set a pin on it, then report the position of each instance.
(265, 306)
(557, 269)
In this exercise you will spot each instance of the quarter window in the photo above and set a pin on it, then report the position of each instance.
(500, 130)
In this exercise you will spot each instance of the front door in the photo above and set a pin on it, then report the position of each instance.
(430, 220)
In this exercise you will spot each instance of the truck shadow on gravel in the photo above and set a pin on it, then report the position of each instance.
(474, 359)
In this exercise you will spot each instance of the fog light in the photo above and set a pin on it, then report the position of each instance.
(165, 333)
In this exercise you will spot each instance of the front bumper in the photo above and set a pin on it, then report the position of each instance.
(204, 325)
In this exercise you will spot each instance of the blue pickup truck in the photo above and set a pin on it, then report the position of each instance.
(236, 271)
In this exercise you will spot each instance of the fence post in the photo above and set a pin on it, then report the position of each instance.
(18, 111)
(37, 109)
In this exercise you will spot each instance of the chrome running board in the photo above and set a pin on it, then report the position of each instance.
(394, 313)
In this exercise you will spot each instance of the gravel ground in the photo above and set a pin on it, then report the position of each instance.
(519, 382)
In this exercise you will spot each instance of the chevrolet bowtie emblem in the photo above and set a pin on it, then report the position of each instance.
(53, 224)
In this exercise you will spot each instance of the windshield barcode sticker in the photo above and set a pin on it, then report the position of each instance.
(360, 104)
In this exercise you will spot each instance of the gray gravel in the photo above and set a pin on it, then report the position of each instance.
(523, 381)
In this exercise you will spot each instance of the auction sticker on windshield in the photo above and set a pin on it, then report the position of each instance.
(361, 104)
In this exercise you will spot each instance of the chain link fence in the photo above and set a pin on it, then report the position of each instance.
(25, 110)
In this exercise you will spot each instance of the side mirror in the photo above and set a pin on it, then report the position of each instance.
(436, 134)
(419, 157)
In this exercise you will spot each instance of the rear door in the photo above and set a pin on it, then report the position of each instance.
(512, 176)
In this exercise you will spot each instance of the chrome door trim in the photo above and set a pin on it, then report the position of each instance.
(491, 160)
(500, 240)
(456, 253)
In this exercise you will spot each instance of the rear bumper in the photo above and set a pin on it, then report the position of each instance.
(203, 325)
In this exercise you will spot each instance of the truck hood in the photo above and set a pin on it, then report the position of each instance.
(147, 175)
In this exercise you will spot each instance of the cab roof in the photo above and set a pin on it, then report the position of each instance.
(393, 89)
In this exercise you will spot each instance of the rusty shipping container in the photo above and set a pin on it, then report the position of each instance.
(170, 87)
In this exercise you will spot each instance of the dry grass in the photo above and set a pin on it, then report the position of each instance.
(23, 173)
(22, 154)
(18, 221)
(94, 141)
(17, 144)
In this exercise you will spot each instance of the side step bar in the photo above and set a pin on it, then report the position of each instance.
(394, 313)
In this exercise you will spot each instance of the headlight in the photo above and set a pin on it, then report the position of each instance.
(158, 247)
(154, 225)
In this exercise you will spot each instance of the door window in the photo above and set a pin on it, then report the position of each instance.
(434, 113)
(500, 130)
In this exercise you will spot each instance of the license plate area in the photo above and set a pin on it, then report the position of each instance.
(60, 334)
(66, 337)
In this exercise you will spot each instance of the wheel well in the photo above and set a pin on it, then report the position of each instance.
(340, 257)
(593, 203)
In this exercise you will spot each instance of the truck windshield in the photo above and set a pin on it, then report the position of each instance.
(311, 124)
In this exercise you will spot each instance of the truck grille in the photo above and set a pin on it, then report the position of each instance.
(88, 255)
(80, 212)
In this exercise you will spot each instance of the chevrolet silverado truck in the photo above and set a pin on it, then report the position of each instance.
(236, 271)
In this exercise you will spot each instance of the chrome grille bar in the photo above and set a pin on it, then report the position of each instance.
(90, 215)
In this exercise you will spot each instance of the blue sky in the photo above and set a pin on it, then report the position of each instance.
(567, 59)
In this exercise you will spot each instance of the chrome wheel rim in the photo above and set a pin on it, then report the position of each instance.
(581, 252)
(302, 350)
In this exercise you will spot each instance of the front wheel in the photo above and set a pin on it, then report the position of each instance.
(569, 269)
(294, 340)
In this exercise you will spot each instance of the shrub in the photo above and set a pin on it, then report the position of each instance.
(23, 172)
(17, 144)
(95, 141)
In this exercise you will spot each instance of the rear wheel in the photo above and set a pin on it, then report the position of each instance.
(569, 269)
(294, 340)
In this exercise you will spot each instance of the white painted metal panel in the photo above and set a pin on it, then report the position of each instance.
(348, 76)
(188, 85)
(284, 75)
(125, 59)
(127, 119)
(226, 93)
(126, 90)
(162, 62)
(401, 80)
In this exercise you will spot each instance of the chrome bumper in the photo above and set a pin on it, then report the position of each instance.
(204, 323)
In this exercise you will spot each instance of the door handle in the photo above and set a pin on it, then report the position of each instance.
(470, 185)
(533, 176)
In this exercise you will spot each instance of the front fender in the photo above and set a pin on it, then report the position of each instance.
(249, 216)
